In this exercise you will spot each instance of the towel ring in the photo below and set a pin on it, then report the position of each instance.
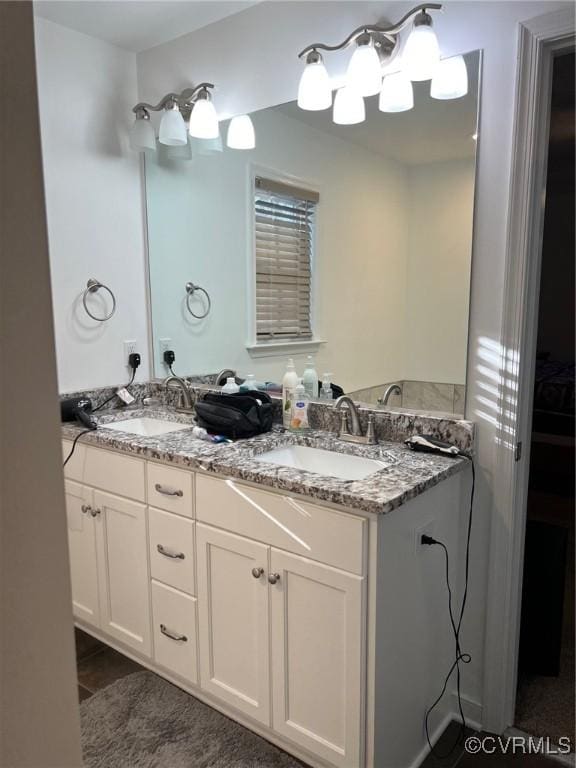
(92, 286)
(190, 291)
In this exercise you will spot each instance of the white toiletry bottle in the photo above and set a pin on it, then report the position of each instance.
(289, 383)
(310, 378)
(249, 383)
(299, 421)
(230, 388)
(326, 391)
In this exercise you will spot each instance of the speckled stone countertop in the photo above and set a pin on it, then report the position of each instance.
(404, 474)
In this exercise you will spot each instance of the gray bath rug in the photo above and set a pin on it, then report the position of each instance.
(142, 721)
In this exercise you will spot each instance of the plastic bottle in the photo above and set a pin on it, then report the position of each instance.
(299, 420)
(249, 383)
(230, 388)
(289, 383)
(326, 390)
(310, 378)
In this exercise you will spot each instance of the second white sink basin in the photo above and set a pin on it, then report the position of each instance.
(146, 427)
(340, 465)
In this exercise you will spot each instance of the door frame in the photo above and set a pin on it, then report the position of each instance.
(540, 40)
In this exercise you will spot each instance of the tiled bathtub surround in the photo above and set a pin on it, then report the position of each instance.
(418, 395)
(403, 476)
(394, 424)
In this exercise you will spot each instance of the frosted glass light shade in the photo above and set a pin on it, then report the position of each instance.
(241, 133)
(349, 107)
(204, 120)
(315, 88)
(365, 71)
(450, 80)
(142, 136)
(397, 94)
(421, 53)
(172, 129)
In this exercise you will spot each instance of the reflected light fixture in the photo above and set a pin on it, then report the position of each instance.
(172, 126)
(142, 136)
(241, 133)
(349, 108)
(315, 88)
(377, 51)
(193, 106)
(365, 69)
(450, 80)
(397, 94)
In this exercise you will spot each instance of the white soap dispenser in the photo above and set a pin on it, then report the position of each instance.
(310, 378)
(326, 391)
(299, 421)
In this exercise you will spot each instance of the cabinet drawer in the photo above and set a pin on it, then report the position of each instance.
(172, 549)
(170, 489)
(175, 631)
(306, 529)
(107, 470)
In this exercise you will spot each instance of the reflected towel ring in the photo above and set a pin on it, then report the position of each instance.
(92, 286)
(190, 291)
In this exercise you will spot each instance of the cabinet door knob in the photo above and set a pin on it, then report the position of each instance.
(273, 578)
(86, 508)
(173, 555)
(257, 572)
(173, 635)
(94, 512)
(168, 491)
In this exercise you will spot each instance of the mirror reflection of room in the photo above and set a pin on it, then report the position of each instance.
(376, 284)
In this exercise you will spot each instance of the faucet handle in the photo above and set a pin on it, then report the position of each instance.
(370, 432)
(343, 422)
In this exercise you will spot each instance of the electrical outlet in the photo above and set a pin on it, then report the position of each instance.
(163, 345)
(129, 348)
(424, 529)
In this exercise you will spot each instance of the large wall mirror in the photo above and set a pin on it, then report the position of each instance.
(349, 242)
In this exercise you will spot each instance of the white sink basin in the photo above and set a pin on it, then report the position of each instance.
(146, 427)
(340, 465)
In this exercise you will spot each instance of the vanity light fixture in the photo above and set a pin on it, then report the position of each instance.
(450, 80)
(142, 136)
(193, 106)
(241, 133)
(377, 48)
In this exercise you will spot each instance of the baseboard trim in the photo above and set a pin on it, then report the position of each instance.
(425, 751)
(472, 711)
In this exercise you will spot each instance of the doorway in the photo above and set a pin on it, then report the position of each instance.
(545, 692)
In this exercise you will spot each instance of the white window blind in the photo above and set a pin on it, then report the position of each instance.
(284, 228)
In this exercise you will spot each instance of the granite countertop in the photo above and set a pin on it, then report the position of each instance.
(404, 474)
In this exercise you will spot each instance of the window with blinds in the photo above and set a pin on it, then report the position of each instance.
(284, 235)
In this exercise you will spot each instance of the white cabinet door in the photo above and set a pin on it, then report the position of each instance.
(124, 577)
(317, 659)
(83, 553)
(233, 620)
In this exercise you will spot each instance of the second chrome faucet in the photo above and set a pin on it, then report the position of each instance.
(353, 433)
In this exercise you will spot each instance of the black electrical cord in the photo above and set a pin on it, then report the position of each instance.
(460, 657)
(98, 407)
(78, 436)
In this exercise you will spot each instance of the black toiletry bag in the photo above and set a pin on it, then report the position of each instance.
(243, 414)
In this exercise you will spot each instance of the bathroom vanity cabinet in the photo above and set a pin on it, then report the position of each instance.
(302, 621)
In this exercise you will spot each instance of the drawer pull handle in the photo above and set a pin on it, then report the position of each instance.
(173, 555)
(167, 491)
(86, 508)
(273, 578)
(95, 512)
(257, 572)
(173, 635)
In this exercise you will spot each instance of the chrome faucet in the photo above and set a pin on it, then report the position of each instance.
(185, 404)
(355, 435)
(223, 375)
(393, 389)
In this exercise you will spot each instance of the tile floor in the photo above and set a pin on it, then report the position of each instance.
(99, 666)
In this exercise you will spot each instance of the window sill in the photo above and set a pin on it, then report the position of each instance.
(276, 349)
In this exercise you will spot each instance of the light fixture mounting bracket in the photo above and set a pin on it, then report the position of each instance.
(185, 100)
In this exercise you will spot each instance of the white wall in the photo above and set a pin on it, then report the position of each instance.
(441, 207)
(94, 204)
(360, 279)
(252, 57)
